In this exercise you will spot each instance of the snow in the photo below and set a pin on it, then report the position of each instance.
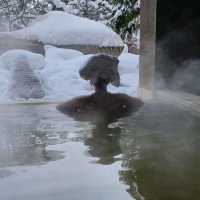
(59, 4)
(5, 78)
(129, 74)
(63, 78)
(8, 59)
(52, 52)
(61, 28)
(60, 74)
(125, 49)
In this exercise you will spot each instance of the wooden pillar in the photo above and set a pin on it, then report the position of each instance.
(147, 48)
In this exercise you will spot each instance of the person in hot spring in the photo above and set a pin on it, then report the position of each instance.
(102, 105)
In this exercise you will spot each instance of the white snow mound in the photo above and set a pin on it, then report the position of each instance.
(60, 77)
(9, 59)
(52, 52)
(65, 83)
(129, 74)
(61, 28)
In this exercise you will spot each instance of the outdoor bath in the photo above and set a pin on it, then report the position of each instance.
(152, 154)
(47, 153)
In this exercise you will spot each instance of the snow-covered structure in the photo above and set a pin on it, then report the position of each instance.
(67, 31)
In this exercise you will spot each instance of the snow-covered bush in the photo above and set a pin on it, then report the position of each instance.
(125, 19)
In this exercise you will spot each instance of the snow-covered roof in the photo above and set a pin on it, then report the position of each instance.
(61, 28)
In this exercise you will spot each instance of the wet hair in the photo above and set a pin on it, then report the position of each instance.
(101, 68)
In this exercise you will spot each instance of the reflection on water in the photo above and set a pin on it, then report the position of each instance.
(167, 166)
(104, 144)
(45, 155)
(24, 135)
(152, 155)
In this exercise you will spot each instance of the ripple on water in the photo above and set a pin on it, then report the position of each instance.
(46, 155)
(153, 154)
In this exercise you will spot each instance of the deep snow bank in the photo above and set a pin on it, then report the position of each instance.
(9, 63)
(65, 83)
(61, 80)
(129, 74)
(8, 59)
(54, 53)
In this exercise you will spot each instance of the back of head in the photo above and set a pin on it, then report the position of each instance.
(101, 66)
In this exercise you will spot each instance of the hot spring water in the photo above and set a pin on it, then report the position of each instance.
(153, 154)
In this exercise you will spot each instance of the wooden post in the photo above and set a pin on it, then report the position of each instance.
(147, 48)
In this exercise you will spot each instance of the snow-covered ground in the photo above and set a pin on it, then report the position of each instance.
(58, 72)
(61, 28)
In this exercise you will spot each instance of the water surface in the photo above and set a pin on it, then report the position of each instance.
(151, 155)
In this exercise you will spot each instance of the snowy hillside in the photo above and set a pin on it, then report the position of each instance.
(61, 28)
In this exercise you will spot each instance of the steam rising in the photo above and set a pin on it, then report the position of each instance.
(178, 62)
